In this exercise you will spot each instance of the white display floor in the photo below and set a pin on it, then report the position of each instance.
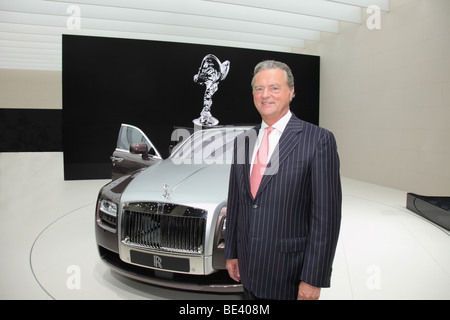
(49, 252)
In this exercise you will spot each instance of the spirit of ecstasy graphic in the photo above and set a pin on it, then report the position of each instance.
(210, 73)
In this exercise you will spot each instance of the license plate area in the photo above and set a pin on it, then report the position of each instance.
(162, 262)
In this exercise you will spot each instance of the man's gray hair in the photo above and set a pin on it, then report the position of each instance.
(272, 64)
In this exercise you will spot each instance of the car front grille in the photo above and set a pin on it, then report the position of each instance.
(164, 226)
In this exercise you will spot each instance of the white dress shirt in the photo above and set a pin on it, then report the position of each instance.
(274, 136)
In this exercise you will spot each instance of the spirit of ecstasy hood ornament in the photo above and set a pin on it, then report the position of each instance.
(210, 73)
(166, 194)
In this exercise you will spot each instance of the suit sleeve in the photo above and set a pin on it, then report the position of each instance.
(232, 209)
(325, 216)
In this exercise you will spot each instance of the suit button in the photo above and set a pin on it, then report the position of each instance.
(255, 206)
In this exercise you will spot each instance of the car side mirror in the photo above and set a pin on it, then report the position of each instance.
(140, 148)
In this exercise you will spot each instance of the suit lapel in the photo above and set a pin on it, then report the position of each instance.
(288, 141)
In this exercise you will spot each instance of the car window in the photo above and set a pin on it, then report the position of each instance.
(129, 135)
(211, 144)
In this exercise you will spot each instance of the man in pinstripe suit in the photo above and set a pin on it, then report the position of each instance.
(282, 235)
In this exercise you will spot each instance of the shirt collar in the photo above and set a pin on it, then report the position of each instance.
(280, 125)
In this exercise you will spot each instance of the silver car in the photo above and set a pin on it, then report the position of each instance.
(164, 223)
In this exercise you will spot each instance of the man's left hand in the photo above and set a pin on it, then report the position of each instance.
(308, 292)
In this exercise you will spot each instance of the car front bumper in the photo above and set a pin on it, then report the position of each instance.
(217, 282)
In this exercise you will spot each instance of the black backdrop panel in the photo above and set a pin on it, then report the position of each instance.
(149, 84)
(30, 130)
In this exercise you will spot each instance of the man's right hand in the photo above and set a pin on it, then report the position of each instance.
(233, 269)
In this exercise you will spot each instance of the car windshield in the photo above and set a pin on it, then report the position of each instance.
(209, 146)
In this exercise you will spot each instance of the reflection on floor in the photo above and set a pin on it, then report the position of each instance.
(49, 252)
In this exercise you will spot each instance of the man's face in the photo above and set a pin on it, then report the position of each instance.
(271, 94)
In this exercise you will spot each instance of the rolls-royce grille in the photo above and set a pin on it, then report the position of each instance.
(164, 226)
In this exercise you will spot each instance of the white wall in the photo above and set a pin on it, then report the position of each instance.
(30, 89)
(386, 96)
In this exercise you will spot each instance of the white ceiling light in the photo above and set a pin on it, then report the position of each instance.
(382, 4)
(315, 8)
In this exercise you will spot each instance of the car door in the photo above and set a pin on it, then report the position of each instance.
(125, 158)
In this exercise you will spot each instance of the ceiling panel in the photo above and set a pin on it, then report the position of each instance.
(31, 30)
(314, 8)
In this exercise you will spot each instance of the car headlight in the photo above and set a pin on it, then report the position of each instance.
(107, 215)
(224, 226)
(221, 226)
(108, 207)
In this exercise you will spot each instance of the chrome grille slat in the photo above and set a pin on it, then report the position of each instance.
(165, 227)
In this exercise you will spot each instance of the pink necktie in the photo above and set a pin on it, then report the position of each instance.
(260, 163)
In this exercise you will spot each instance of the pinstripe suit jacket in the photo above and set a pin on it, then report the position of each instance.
(289, 231)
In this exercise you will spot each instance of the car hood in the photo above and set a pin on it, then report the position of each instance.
(187, 183)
